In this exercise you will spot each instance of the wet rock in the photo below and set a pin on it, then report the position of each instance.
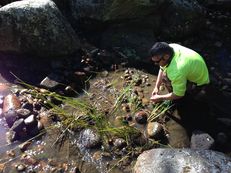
(155, 130)
(28, 106)
(10, 116)
(23, 147)
(44, 119)
(11, 136)
(201, 140)
(4, 89)
(141, 117)
(51, 83)
(37, 106)
(89, 138)
(11, 153)
(75, 170)
(40, 126)
(128, 117)
(18, 126)
(20, 167)
(97, 156)
(119, 143)
(140, 140)
(30, 122)
(33, 131)
(11, 102)
(23, 113)
(182, 160)
(2, 166)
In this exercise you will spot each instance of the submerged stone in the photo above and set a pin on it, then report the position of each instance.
(89, 138)
(201, 140)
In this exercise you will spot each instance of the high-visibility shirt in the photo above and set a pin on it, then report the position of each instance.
(186, 65)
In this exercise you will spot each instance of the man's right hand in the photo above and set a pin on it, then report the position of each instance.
(155, 91)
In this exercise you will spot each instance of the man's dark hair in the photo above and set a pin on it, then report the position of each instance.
(160, 48)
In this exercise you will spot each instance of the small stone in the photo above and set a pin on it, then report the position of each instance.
(23, 147)
(31, 121)
(120, 143)
(2, 166)
(10, 153)
(11, 136)
(23, 113)
(141, 117)
(20, 167)
(97, 155)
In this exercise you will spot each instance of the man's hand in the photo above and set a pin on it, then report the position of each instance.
(156, 98)
(155, 91)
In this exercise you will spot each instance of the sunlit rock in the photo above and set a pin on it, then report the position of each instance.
(182, 160)
(36, 27)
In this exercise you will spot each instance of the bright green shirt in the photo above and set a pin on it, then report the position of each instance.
(186, 65)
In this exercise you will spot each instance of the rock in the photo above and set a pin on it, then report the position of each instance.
(23, 147)
(11, 136)
(4, 89)
(11, 102)
(2, 166)
(182, 160)
(23, 113)
(20, 167)
(141, 117)
(201, 140)
(29, 159)
(28, 106)
(10, 117)
(119, 143)
(89, 138)
(155, 130)
(51, 82)
(30, 122)
(18, 126)
(10, 153)
(41, 29)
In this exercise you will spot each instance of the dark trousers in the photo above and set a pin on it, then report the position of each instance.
(200, 108)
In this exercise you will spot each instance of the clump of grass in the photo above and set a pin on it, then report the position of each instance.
(78, 112)
(159, 109)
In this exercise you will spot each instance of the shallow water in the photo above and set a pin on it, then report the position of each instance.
(69, 154)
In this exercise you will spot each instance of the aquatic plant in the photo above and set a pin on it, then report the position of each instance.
(159, 109)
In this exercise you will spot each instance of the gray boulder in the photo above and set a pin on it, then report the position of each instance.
(36, 27)
(182, 160)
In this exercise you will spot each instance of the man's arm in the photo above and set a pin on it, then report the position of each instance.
(169, 96)
(158, 82)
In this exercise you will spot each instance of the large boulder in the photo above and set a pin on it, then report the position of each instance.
(36, 27)
(136, 25)
(182, 160)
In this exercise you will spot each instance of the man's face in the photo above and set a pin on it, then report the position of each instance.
(157, 59)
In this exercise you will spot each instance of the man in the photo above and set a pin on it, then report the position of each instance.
(179, 68)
